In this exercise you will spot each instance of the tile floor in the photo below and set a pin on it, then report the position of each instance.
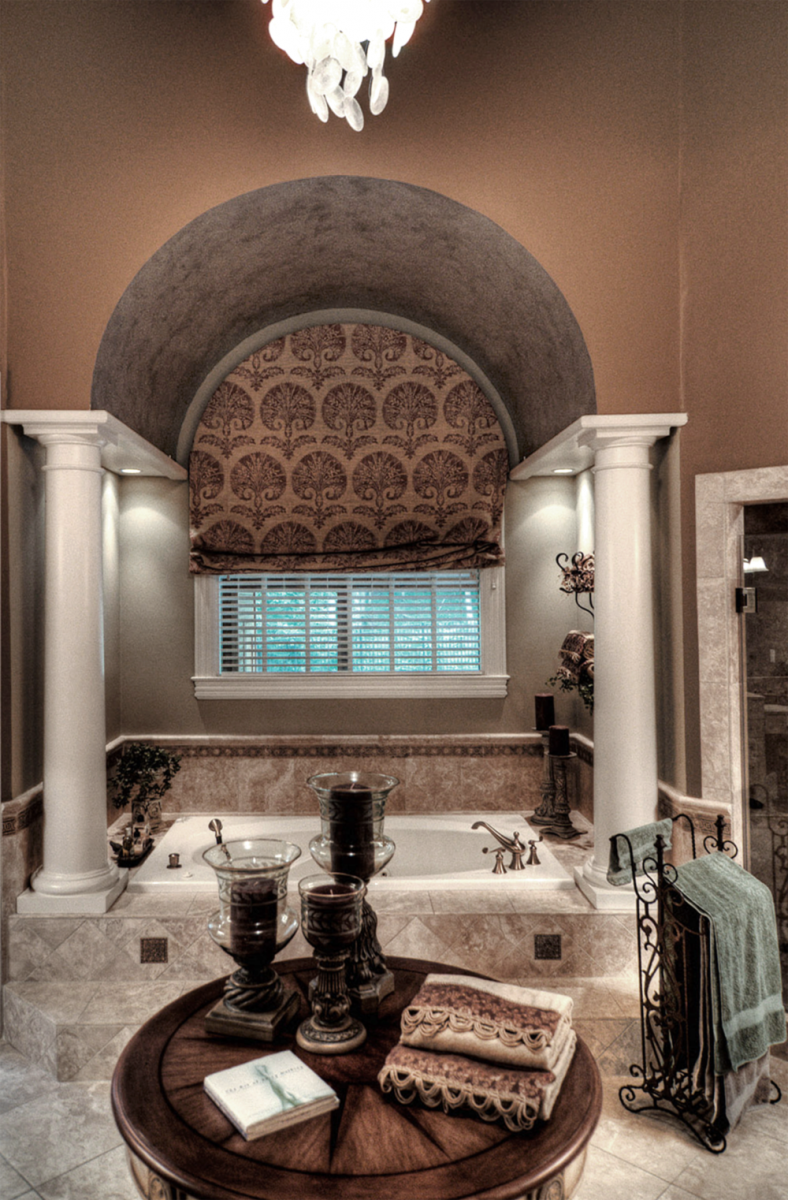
(58, 1141)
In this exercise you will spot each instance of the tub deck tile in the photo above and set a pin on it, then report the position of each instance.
(487, 901)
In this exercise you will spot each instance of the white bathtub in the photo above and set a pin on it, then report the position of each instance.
(435, 852)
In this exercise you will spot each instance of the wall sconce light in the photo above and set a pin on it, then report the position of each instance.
(341, 42)
(754, 565)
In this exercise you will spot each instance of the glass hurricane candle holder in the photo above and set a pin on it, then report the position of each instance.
(252, 925)
(331, 922)
(352, 840)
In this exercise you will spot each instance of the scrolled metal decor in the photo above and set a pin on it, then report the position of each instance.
(577, 576)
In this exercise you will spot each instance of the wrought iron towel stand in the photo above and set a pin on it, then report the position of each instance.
(667, 925)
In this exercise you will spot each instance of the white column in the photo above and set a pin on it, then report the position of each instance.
(625, 727)
(584, 508)
(76, 875)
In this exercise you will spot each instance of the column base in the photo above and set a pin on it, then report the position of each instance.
(66, 903)
(601, 894)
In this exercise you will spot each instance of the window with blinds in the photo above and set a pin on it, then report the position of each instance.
(399, 623)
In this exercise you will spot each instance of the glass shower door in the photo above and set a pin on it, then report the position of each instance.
(766, 692)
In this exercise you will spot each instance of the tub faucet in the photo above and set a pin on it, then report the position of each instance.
(215, 827)
(512, 843)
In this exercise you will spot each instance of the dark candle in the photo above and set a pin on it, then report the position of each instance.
(350, 831)
(545, 710)
(559, 740)
(331, 912)
(253, 911)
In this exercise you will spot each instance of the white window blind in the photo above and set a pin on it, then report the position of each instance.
(407, 622)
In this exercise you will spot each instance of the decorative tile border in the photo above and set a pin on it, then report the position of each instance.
(380, 749)
(584, 752)
(27, 810)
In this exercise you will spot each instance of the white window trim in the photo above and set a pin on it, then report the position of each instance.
(490, 682)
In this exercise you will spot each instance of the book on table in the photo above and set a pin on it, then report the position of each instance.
(269, 1093)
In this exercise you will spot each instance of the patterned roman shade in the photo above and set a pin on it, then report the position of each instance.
(347, 448)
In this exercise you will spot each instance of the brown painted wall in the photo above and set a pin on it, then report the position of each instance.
(559, 121)
(637, 148)
(734, 251)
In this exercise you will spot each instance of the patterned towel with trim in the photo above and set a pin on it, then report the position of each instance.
(491, 1091)
(498, 1022)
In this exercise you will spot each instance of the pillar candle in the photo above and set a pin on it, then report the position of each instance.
(331, 911)
(545, 710)
(559, 740)
(350, 831)
(253, 912)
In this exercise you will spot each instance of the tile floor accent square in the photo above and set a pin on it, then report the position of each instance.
(153, 950)
(547, 945)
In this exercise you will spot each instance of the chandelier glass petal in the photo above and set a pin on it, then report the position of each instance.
(341, 42)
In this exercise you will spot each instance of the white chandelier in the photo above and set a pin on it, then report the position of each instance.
(341, 42)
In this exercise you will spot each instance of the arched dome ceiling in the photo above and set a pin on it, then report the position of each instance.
(346, 242)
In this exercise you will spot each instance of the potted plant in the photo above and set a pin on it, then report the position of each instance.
(143, 774)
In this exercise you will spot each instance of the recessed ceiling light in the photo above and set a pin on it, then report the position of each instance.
(563, 471)
(754, 565)
(130, 471)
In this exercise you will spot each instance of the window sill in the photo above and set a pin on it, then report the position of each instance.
(372, 686)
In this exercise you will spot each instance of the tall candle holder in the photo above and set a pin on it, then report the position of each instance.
(331, 922)
(252, 925)
(351, 839)
(544, 709)
(553, 812)
(544, 814)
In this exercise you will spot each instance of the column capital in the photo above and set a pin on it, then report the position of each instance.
(51, 427)
(643, 429)
(122, 449)
(573, 450)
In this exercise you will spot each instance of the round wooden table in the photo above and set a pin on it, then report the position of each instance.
(181, 1146)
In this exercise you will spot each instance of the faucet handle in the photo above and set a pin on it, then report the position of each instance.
(499, 868)
(215, 827)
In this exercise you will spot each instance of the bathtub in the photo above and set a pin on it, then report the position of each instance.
(435, 852)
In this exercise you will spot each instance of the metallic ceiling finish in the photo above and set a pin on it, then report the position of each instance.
(341, 242)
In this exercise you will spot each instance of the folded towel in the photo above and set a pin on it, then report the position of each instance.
(643, 841)
(499, 1022)
(746, 991)
(495, 1093)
